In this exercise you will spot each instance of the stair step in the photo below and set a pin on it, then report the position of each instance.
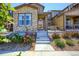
(42, 42)
(42, 38)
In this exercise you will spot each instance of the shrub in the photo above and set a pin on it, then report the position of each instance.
(30, 39)
(16, 38)
(6, 40)
(3, 39)
(27, 39)
(70, 42)
(77, 42)
(75, 35)
(59, 43)
(55, 36)
(66, 36)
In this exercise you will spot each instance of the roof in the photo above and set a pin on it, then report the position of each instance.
(29, 5)
(38, 4)
(69, 7)
(56, 10)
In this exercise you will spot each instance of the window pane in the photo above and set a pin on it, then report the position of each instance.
(21, 22)
(21, 19)
(28, 19)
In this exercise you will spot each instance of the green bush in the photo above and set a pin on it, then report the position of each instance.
(55, 36)
(78, 42)
(3, 39)
(59, 43)
(30, 40)
(70, 42)
(17, 38)
(66, 36)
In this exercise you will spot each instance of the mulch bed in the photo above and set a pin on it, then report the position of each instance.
(67, 48)
(14, 47)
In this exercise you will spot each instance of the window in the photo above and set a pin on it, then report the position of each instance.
(24, 19)
(28, 19)
(69, 24)
(21, 19)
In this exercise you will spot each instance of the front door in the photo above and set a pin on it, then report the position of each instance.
(40, 24)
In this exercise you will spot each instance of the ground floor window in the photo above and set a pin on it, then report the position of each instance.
(76, 23)
(69, 24)
(24, 19)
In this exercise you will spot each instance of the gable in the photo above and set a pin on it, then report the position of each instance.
(37, 5)
(27, 5)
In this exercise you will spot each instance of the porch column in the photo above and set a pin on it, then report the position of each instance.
(64, 17)
(46, 23)
(40, 23)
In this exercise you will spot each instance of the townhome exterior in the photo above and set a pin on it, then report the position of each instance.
(31, 16)
(68, 19)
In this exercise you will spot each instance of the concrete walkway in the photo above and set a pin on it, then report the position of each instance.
(43, 47)
(43, 53)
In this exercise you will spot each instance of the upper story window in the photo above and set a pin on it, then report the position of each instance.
(24, 19)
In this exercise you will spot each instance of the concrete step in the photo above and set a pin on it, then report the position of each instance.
(42, 42)
(42, 39)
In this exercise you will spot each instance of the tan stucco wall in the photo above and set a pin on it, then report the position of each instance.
(25, 9)
(59, 21)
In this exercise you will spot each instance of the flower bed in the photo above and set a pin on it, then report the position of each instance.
(15, 38)
(65, 42)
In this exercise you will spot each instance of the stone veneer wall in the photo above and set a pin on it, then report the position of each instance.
(25, 9)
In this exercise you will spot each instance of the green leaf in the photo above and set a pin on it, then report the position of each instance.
(5, 15)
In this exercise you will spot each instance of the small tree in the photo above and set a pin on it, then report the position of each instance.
(5, 14)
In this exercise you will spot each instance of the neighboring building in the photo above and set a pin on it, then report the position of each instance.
(55, 12)
(68, 18)
(51, 14)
